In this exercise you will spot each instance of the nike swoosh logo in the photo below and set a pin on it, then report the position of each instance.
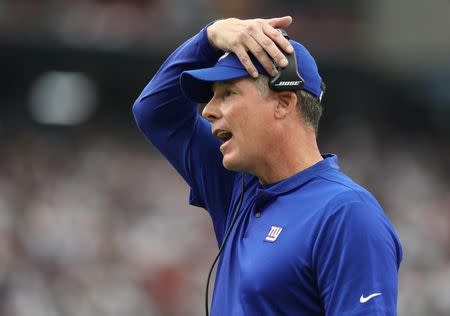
(363, 299)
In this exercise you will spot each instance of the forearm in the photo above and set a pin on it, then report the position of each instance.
(161, 105)
(170, 121)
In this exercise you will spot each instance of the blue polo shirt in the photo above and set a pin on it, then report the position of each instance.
(315, 243)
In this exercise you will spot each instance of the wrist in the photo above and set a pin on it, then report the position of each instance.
(211, 33)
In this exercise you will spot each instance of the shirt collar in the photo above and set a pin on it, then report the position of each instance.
(298, 179)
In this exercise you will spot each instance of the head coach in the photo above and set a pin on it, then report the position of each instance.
(296, 235)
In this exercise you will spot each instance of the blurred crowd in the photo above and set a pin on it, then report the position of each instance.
(94, 224)
(155, 24)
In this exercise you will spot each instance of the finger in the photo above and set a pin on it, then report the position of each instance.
(269, 45)
(283, 22)
(262, 56)
(278, 39)
(243, 56)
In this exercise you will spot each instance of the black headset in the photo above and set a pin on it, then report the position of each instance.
(288, 78)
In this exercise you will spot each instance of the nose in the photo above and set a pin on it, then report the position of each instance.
(211, 111)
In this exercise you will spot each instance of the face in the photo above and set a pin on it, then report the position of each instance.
(241, 116)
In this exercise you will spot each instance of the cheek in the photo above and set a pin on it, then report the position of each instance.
(255, 135)
(250, 123)
(257, 124)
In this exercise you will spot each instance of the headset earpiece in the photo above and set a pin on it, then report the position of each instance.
(288, 78)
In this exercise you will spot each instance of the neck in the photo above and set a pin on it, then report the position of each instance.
(293, 153)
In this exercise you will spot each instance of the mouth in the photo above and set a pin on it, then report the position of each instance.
(223, 135)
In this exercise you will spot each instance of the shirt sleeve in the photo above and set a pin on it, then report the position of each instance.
(171, 123)
(356, 258)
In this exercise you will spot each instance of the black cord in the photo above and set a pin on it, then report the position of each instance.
(233, 221)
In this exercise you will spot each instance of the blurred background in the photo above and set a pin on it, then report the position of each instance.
(93, 221)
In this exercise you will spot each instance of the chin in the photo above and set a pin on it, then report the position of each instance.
(232, 164)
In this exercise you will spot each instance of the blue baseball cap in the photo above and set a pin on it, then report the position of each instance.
(196, 84)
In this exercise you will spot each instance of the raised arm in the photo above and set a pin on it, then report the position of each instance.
(170, 121)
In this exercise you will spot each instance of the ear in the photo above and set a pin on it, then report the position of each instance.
(286, 103)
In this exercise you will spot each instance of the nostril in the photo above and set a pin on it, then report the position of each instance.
(210, 113)
(207, 114)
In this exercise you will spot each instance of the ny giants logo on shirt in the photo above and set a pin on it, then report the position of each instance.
(273, 234)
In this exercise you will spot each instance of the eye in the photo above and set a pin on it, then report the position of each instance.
(227, 93)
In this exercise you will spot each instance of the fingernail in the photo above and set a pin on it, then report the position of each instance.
(289, 49)
(274, 72)
(254, 74)
(283, 62)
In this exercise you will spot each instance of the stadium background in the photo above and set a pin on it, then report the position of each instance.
(93, 221)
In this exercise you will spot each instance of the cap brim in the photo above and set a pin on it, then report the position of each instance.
(196, 85)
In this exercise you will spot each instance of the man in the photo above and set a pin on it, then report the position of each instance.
(306, 239)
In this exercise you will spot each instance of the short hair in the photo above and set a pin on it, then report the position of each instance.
(308, 106)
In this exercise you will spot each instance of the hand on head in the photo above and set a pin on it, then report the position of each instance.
(256, 36)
